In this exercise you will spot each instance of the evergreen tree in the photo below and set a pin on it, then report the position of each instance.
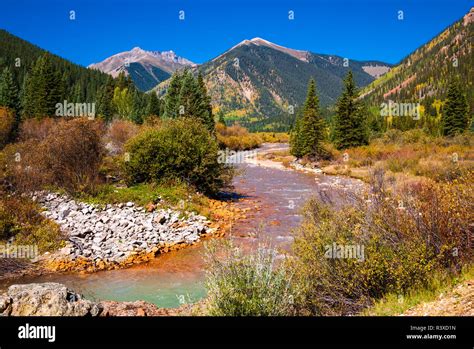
(8, 91)
(312, 125)
(295, 138)
(42, 90)
(138, 107)
(105, 95)
(76, 95)
(309, 131)
(204, 107)
(153, 105)
(188, 96)
(220, 117)
(171, 100)
(123, 81)
(455, 114)
(350, 126)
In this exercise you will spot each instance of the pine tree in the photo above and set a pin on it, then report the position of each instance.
(220, 117)
(455, 114)
(42, 89)
(295, 138)
(309, 131)
(350, 126)
(123, 81)
(153, 105)
(8, 91)
(105, 95)
(171, 100)
(203, 104)
(188, 96)
(138, 107)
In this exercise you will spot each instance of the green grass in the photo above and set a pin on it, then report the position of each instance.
(394, 304)
(177, 196)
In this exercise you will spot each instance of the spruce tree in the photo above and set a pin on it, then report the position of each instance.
(123, 81)
(105, 95)
(350, 126)
(139, 106)
(153, 105)
(455, 117)
(203, 104)
(171, 99)
(188, 96)
(295, 138)
(8, 91)
(310, 128)
(43, 89)
(220, 117)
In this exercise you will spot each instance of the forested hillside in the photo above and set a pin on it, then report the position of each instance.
(79, 84)
(261, 84)
(33, 82)
(424, 75)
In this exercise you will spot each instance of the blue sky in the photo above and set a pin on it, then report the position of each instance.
(364, 29)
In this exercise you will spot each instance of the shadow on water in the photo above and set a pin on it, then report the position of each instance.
(231, 196)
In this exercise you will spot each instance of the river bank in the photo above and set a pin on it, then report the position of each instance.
(115, 236)
(265, 208)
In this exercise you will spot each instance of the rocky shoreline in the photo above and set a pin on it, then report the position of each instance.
(54, 299)
(116, 236)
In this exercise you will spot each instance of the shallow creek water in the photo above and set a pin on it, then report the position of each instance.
(275, 196)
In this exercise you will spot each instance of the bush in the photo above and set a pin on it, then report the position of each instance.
(403, 240)
(7, 223)
(36, 129)
(21, 167)
(274, 137)
(21, 218)
(247, 285)
(118, 133)
(67, 156)
(181, 149)
(7, 126)
(73, 153)
(236, 138)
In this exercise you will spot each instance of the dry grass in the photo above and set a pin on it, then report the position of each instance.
(409, 237)
(439, 159)
(237, 137)
(7, 125)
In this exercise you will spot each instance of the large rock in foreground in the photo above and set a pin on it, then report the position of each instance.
(53, 299)
(46, 299)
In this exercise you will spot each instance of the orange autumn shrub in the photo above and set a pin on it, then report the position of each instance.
(118, 133)
(236, 137)
(7, 126)
(66, 154)
(36, 129)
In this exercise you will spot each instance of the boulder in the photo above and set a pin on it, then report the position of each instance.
(5, 305)
(46, 299)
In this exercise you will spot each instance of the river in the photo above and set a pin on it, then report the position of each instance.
(274, 196)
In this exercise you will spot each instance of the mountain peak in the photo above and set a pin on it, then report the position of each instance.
(299, 54)
(257, 39)
(156, 66)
